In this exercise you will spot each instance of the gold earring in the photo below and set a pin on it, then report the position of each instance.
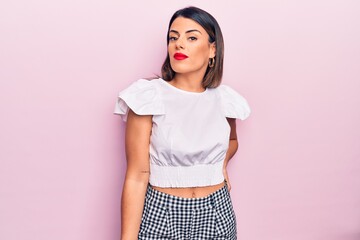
(212, 62)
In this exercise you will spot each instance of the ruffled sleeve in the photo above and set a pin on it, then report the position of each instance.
(234, 105)
(142, 96)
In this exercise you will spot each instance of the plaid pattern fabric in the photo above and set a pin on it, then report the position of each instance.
(170, 217)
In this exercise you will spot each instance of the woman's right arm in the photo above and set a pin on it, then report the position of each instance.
(137, 141)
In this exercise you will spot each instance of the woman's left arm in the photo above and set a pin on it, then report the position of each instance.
(233, 146)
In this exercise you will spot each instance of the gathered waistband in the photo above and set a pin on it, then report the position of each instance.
(186, 176)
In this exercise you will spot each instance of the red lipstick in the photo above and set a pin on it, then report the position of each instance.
(180, 56)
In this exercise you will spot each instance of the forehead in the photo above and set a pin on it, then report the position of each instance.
(182, 24)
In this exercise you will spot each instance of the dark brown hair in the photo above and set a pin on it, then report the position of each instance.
(213, 75)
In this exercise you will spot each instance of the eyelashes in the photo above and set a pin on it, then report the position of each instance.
(171, 39)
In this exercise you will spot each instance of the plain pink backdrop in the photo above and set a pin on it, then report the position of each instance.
(296, 175)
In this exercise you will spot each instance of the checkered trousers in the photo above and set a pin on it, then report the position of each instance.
(169, 217)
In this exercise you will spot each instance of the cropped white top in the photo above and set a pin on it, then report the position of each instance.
(190, 133)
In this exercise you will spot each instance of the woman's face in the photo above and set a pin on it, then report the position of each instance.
(189, 48)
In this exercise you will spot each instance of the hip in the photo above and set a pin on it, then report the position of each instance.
(170, 217)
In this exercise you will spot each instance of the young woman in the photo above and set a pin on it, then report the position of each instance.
(180, 136)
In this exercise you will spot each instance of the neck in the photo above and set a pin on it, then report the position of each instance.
(188, 82)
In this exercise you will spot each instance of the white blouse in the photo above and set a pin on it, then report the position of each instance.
(190, 133)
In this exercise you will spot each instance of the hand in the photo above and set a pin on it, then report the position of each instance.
(226, 176)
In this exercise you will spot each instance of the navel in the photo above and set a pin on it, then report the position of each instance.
(193, 194)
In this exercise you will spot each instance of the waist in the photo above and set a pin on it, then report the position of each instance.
(190, 192)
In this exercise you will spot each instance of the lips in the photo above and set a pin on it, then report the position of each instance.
(180, 56)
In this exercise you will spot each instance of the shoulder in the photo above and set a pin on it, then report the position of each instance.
(142, 84)
(233, 103)
(142, 96)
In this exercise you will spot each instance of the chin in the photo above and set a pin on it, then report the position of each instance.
(181, 71)
(179, 68)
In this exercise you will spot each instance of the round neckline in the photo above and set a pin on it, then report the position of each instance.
(181, 90)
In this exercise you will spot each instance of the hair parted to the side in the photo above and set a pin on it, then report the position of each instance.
(213, 75)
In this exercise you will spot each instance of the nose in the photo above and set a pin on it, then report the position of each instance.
(180, 43)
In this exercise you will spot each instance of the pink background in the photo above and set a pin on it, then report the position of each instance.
(296, 175)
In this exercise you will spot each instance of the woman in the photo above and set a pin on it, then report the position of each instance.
(180, 135)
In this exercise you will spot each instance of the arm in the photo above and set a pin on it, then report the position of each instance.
(233, 146)
(137, 139)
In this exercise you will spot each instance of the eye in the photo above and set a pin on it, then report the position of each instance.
(172, 38)
(192, 38)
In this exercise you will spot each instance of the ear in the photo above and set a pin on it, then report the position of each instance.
(212, 50)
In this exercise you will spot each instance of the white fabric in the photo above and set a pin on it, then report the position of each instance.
(196, 175)
(234, 105)
(190, 134)
(142, 97)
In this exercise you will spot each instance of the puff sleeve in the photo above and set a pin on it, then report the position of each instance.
(142, 96)
(234, 105)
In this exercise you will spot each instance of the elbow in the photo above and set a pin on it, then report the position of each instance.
(233, 145)
(139, 176)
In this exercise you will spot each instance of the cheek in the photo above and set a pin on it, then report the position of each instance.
(202, 47)
(171, 46)
(202, 52)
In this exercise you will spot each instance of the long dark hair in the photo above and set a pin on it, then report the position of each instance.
(213, 75)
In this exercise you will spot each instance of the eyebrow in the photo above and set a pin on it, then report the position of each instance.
(188, 31)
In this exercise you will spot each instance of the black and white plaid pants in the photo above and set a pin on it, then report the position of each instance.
(169, 217)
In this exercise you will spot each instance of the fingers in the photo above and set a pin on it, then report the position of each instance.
(228, 185)
(227, 182)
